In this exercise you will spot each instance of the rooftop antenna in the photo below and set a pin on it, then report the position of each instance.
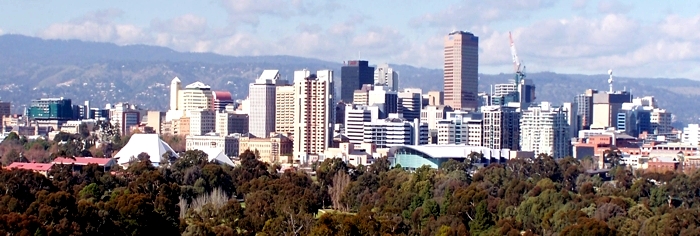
(610, 81)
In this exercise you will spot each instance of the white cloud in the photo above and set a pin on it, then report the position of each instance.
(96, 26)
(2, 32)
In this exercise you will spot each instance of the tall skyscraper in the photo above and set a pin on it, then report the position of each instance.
(313, 114)
(262, 96)
(352, 76)
(606, 106)
(462, 71)
(544, 129)
(386, 76)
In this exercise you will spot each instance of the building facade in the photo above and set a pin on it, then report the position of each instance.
(352, 76)
(461, 70)
(410, 104)
(227, 143)
(394, 131)
(284, 114)
(275, 149)
(313, 114)
(355, 118)
(262, 95)
(386, 76)
(231, 123)
(501, 128)
(545, 129)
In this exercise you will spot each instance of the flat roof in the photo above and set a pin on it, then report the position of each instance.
(30, 166)
(82, 160)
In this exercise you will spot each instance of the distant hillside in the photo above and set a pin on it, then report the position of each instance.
(106, 73)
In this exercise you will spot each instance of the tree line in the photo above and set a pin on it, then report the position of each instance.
(191, 196)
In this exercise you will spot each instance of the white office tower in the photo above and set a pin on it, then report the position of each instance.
(261, 95)
(395, 131)
(544, 129)
(386, 76)
(313, 114)
(410, 103)
(572, 118)
(691, 134)
(661, 121)
(501, 127)
(460, 127)
(355, 118)
(385, 99)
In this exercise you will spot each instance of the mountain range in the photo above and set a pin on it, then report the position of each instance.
(104, 73)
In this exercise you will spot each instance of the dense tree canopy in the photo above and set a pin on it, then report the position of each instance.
(191, 196)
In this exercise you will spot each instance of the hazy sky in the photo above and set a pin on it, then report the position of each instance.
(635, 38)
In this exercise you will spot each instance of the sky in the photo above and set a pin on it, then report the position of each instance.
(641, 38)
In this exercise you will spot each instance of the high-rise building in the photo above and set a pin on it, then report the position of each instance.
(516, 93)
(5, 109)
(584, 103)
(461, 71)
(395, 131)
(572, 118)
(501, 127)
(544, 129)
(220, 99)
(125, 116)
(460, 128)
(231, 123)
(410, 103)
(431, 114)
(386, 76)
(352, 76)
(606, 105)
(386, 100)
(155, 120)
(284, 116)
(195, 96)
(361, 96)
(202, 122)
(355, 118)
(51, 109)
(691, 134)
(313, 114)
(661, 121)
(436, 98)
(262, 96)
(633, 119)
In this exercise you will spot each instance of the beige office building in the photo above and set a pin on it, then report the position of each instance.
(284, 104)
(313, 114)
(276, 149)
(461, 71)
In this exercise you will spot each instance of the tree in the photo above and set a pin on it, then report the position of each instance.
(341, 180)
(482, 219)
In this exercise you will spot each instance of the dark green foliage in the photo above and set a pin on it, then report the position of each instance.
(190, 196)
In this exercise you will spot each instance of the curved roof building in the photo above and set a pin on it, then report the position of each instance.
(412, 157)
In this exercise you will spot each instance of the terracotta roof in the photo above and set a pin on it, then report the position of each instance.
(82, 161)
(30, 166)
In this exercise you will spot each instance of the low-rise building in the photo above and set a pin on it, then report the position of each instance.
(411, 157)
(41, 168)
(361, 155)
(227, 143)
(276, 149)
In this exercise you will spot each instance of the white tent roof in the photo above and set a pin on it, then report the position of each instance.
(218, 155)
(148, 143)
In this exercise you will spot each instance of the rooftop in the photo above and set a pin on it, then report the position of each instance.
(197, 85)
(449, 151)
(82, 161)
(30, 166)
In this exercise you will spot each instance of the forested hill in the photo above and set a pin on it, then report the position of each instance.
(194, 197)
(106, 73)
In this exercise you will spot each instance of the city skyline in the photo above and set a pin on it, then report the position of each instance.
(575, 36)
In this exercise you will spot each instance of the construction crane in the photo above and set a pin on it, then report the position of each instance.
(519, 74)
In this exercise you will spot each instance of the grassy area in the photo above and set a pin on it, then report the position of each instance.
(332, 211)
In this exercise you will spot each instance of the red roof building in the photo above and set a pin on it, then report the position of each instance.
(41, 168)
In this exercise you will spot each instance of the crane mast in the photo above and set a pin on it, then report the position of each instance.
(519, 74)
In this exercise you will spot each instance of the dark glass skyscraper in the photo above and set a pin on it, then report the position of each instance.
(352, 76)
